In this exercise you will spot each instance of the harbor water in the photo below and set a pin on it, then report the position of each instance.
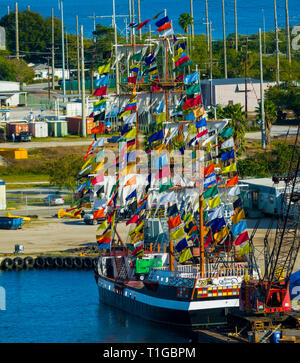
(62, 306)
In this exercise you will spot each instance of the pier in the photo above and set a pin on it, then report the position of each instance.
(48, 262)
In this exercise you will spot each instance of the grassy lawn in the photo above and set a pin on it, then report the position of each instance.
(26, 178)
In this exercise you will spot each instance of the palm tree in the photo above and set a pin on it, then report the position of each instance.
(238, 122)
(185, 20)
(270, 118)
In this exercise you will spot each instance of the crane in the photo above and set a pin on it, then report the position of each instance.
(270, 293)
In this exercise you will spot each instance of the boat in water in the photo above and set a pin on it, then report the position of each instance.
(174, 247)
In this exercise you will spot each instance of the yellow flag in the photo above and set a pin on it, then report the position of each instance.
(213, 203)
(198, 112)
(229, 168)
(125, 113)
(185, 255)
(137, 229)
(102, 226)
(245, 249)
(161, 118)
(205, 230)
(238, 217)
(220, 235)
(161, 147)
(130, 134)
(86, 163)
(177, 234)
(104, 69)
(98, 167)
(176, 57)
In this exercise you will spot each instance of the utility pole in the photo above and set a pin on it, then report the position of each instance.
(63, 49)
(78, 55)
(207, 25)
(48, 78)
(53, 67)
(262, 96)
(288, 37)
(192, 15)
(139, 17)
(277, 45)
(235, 23)
(116, 49)
(224, 41)
(17, 33)
(83, 121)
(210, 64)
(246, 78)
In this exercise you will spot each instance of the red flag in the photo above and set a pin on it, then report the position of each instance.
(142, 24)
(100, 91)
(99, 214)
(174, 222)
(89, 150)
(98, 179)
(244, 237)
(132, 79)
(209, 169)
(181, 61)
(192, 102)
(163, 173)
(208, 240)
(233, 181)
(164, 27)
(134, 219)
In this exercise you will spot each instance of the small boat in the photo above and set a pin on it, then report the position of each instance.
(10, 223)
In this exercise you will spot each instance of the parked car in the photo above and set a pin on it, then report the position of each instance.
(54, 199)
(23, 136)
(113, 139)
(88, 217)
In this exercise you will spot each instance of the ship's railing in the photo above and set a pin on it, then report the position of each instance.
(211, 271)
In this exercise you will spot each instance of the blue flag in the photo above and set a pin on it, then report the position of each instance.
(131, 195)
(102, 81)
(228, 155)
(181, 245)
(217, 224)
(191, 78)
(201, 123)
(162, 21)
(239, 227)
(156, 136)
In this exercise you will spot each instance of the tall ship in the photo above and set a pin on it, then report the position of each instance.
(173, 242)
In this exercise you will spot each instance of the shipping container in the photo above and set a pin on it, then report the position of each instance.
(2, 195)
(75, 125)
(57, 128)
(18, 153)
(15, 128)
(38, 129)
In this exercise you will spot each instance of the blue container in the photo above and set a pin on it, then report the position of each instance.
(10, 223)
(276, 336)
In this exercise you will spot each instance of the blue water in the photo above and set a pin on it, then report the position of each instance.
(250, 13)
(57, 306)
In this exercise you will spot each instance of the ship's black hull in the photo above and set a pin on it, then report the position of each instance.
(211, 316)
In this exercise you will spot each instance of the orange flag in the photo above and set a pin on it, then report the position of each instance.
(174, 222)
(209, 169)
(233, 181)
(131, 181)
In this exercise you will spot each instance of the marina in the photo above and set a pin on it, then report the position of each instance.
(167, 222)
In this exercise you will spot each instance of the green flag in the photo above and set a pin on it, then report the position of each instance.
(164, 187)
(193, 89)
(226, 132)
(137, 57)
(211, 192)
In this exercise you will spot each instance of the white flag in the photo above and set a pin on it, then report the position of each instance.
(215, 213)
(129, 119)
(227, 143)
(234, 191)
